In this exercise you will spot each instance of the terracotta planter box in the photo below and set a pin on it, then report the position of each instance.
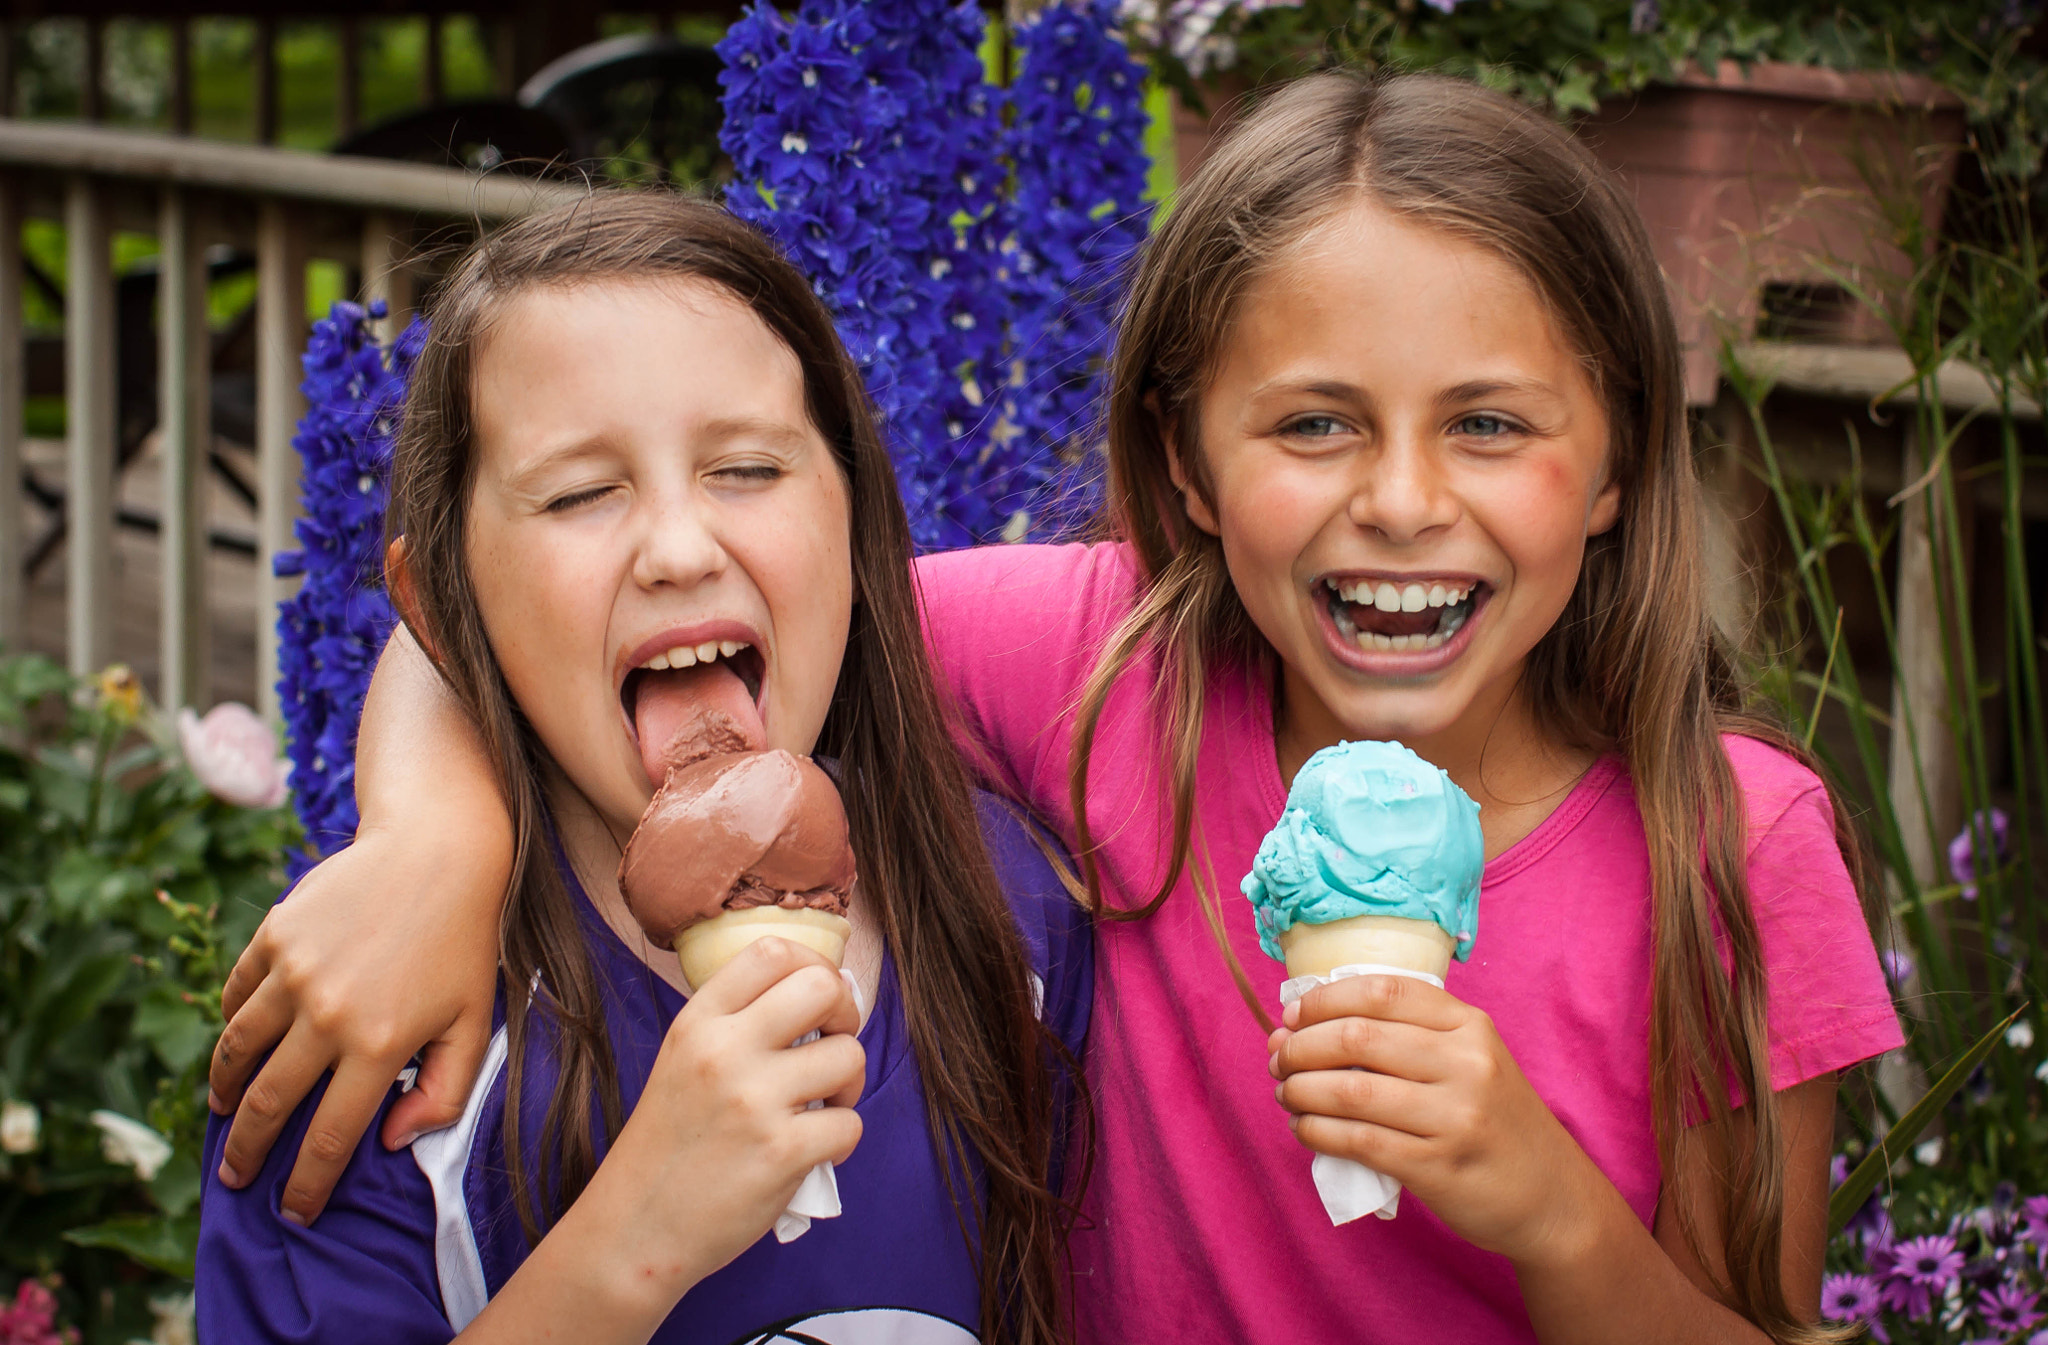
(1771, 187)
(1766, 184)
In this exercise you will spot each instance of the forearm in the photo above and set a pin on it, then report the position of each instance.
(421, 768)
(1603, 1279)
(591, 1280)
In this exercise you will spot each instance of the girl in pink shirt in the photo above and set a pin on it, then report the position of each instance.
(1397, 449)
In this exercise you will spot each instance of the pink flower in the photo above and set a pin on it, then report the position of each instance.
(234, 754)
(32, 1318)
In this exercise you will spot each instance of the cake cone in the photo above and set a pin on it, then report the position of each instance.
(1367, 940)
(709, 944)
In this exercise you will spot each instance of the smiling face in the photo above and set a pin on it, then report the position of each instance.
(655, 528)
(1405, 460)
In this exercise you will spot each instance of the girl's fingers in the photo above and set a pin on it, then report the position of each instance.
(338, 1124)
(827, 1135)
(448, 1070)
(1400, 999)
(255, 1024)
(1395, 1048)
(1361, 1095)
(812, 998)
(756, 968)
(267, 1103)
(832, 1070)
(1378, 1147)
(250, 971)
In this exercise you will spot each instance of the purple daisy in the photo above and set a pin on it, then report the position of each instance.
(1929, 1262)
(2009, 1308)
(2033, 1220)
(1849, 1298)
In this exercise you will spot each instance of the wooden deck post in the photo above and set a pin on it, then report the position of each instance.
(89, 417)
(13, 354)
(1925, 790)
(280, 339)
(184, 391)
(385, 275)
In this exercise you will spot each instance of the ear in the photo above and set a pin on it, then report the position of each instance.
(1606, 511)
(398, 582)
(1191, 500)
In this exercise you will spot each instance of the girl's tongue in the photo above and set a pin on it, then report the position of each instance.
(670, 708)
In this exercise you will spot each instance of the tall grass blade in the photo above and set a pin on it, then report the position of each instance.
(1850, 1195)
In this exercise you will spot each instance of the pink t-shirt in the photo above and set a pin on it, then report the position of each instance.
(1202, 1223)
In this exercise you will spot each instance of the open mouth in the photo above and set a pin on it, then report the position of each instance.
(1380, 616)
(671, 691)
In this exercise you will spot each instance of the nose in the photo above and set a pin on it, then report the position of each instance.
(676, 540)
(1401, 491)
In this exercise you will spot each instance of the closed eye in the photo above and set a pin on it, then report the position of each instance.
(577, 498)
(753, 471)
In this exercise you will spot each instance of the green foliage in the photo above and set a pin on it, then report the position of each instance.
(126, 890)
(1568, 55)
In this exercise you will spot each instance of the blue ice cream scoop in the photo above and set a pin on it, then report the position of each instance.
(1370, 829)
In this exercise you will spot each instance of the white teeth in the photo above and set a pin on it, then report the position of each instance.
(730, 647)
(1387, 599)
(1403, 641)
(682, 657)
(1436, 595)
(1435, 641)
(1414, 598)
(659, 663)
(707, 651)
(1456, 596)
(1382, 641)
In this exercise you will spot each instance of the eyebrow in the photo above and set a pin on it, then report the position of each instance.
(1479, 389)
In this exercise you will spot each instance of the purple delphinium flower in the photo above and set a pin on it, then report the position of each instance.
(2009, 1308)
(1849, 1298)
(330, 631)
(1967, 858)
(1077, 219)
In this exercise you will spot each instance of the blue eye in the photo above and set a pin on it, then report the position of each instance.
(1483, 425)
(1316, 427)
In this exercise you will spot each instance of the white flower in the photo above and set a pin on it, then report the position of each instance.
(174, 1324)
(21, 1127)
(2020, 1035)
(1928, 1152)
(2041, 1071)
(792, 143)
(234, 754)
(130, 1143)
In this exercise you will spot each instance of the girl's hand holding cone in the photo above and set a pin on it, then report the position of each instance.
(1408, 1080)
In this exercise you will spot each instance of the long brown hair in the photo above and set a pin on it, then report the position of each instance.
(925, 868)
(1632, 666)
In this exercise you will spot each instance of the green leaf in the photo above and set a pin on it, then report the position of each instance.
(163, 1243)
(1850, 1195)
(177, 1185)
(178, 1031)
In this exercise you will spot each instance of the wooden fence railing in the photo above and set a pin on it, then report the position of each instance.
(288, 208)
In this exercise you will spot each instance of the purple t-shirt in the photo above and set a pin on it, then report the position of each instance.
(414, 1242)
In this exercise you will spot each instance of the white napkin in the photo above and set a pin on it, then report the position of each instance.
(1351, 1190)
(817, 1196)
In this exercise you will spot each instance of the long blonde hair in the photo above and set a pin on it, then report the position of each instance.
(1632, 666)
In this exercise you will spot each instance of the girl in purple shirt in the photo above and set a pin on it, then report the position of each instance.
(632, 429)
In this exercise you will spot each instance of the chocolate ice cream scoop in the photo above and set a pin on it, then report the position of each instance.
(733, 830)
